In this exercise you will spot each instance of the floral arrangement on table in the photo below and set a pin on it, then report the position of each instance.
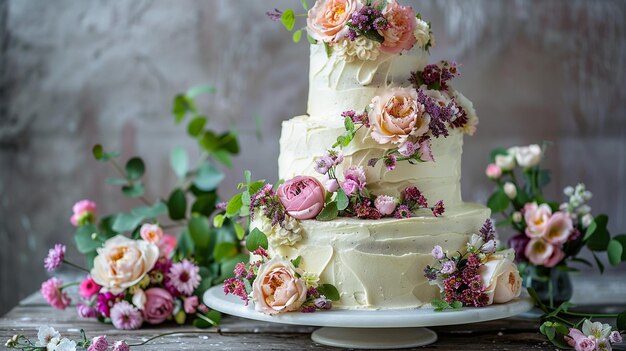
(354, 29)
(551, 235)
(477, 277)
(136, 272)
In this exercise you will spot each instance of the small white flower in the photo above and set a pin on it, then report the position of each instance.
(596, 329)
(421, 32)
(529, 156)
(53, 343)
(45, 334)
(66, 345)
(510, 190)
(476, 241)
(139, 299)
(489, 247)
(517, 217)
(310, 279)
(587, 219)
(505, 162)
(568, 191)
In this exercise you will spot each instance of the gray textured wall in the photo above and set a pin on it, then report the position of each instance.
(78, 72)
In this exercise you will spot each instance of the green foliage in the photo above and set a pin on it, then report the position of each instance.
(441, 305)
(199, 231)
(256, 239)
(297, 35)
(597, 234)
(288, 19)
(329, 291)
(86, 238)
(179, 160)
(208, 177)
(234, 205)
(342, 200)
(296, 261)
(329, 212)
(135, 168)
(177, 205)
(498, 201)
(154, 211)
(195, 127)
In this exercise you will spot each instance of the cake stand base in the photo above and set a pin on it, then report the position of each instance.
(369, 338)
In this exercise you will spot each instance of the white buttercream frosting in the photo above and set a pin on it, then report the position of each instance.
(380, 263)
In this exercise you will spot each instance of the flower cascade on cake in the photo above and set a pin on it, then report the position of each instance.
(478, 277)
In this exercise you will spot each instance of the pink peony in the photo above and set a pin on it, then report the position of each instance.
(385, 204)
(277, 288)
(395, 115)
(84, 212)
(354, 180)
(399, 33)
(52, 292)
(327, 19)
(88, 288)
(536, 217)
(120, 346)
(159, 306)
(493, 171)
(166, 245)
(151, 233)
(190, 305)
(99, 343)
(86, 311)
(303, 197)
(126, 316)
(559, 228)
(184, 276)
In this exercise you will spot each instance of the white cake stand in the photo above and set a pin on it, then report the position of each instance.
(371, 329)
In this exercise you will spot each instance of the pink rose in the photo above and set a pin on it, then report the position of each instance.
(559, 228)
(302, 196)
(350, 186)
(332, 185)
(191, 304)
(396, 115)
(327, 19)
(399, 34)
(167, 245)
(84, 212)
(385, 204)
(151, 233)
(493, 171)
(159, 306)
(354, 180)
(88, 288)
(276, 288)
(536, 217)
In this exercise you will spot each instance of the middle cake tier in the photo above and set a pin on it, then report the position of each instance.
(305, 138)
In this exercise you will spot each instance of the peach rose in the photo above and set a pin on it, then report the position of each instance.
(399, 34)
(536, 217)
(501, 278)
(396, 115)
(122, 263)
(276, 288)
(327, 19)
(302, 196)
(151, 233)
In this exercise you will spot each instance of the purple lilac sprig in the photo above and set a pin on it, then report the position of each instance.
(435, 76)
(268, 201)
(274, 15)
(315, 301)
(367, 22)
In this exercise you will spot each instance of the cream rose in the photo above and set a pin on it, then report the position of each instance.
(396, 115)
(421, 32)
(467, 106)
(276, 288)
(505, 162)
(528, 156)
(501, 278)
(327, 19)
(123, 262)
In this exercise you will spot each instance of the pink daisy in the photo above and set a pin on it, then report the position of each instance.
(184, 276)
(55, 257)
(52, 291)
(126, 316)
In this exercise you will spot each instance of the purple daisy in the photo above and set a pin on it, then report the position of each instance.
(55, 257)
(184, 276)
(125, 316)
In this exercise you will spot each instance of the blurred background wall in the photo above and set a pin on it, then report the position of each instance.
(75, 73)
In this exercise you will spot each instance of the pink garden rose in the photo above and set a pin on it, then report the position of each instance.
(277, 289)
(536, 217)
(396, 115)
(327, 19)
(354, 180)
(399, 34)
(302, 196)
(151, 233)
(167, 245)
(493, 171)
(159, 306)
(84, 212)
(191, 304)
(385, 204)
(559, 228)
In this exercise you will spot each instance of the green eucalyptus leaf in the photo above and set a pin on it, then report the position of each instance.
(239, 231)
(296, 261)
(311, 40)
(496, 152)
(329, 212)
(97, 151)
(185, 245)
(234, 205)
(135, 168)
(195, 127)
(228, 141)
(227, 267)
(179, 160)
(224, 251)
(209, 141)
(159, 208)
(135, 190)
(614, 251)
(181, 106)
(348, 124)
(126, 222)
(498, 202)
(201, 89)
(116, 181)
(297, 35)
(205, 204)
(598, 262)
(305, 5)
(329, 49)
(177, 205)
(224, 157)
(342, 200)
(208, 177)
(622, 240)
(600, 237)
(288, 19)
(256, 239)
(85, 239)
(621, 321)
(329, 291)
(199, 231)
(218, 220)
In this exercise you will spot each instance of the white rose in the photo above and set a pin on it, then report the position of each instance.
(510, 190)
(501, 278)
(528, 156)
(505, 162)
(139, 299)
(123, 262)
(366, 49)
(422, 32)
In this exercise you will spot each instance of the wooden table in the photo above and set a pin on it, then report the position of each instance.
(241, 334)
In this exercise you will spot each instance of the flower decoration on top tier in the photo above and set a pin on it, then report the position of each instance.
(360, 29)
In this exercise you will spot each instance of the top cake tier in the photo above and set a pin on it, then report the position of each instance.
(339, 82)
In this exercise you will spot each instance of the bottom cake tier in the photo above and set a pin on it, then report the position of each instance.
(379, 264)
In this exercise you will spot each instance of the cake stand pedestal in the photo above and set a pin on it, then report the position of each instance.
(371, 329)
